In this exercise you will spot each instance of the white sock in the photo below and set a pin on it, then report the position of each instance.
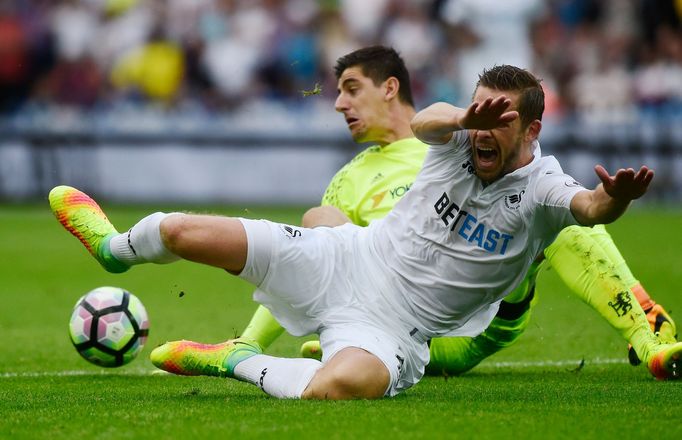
(142, 243)
(279, 377)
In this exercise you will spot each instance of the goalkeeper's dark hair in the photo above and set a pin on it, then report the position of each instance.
(379, 63)
(506, 78)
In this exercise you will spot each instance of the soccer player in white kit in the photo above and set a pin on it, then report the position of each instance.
(439, 263)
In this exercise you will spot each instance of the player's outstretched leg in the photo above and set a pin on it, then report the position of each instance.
(84, 219)
(145, 241)
(189, 358)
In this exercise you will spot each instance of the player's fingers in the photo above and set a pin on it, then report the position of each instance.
(485, 105)
(471, 110)
(509, 116)
(642, 172)
(625, 175)
(642, 181)
(499, 101)
(644, 176)
(505, 102)
(500, 104)
(602, 174)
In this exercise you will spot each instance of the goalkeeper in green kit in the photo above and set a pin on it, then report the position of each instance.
(375, 99)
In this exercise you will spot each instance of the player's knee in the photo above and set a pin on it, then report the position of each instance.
(358, 385)
(172, 230)
(340, 385)
(569, 234)
(350, 377)
(570, 237)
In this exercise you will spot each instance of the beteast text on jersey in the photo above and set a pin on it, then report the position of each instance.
(486, 238)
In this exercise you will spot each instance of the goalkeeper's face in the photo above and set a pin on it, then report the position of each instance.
(364, 106)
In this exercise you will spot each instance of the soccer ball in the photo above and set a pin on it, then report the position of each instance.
(109, 326)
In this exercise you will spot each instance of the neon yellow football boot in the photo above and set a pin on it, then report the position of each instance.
(663, 327)
(189, 358)
(667, 363)
(84, 219)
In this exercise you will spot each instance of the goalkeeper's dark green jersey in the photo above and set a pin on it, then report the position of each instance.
(368, 186)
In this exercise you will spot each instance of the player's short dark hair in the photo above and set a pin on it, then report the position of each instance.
(378, 63)
(514, 79)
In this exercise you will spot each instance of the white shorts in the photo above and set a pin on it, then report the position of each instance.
(324, 281)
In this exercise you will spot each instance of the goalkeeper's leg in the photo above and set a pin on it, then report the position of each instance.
(660, 321)
(587, 270)
(263, 328)
(457, 355)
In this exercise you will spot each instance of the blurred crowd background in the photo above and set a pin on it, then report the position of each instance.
(121, 96)
(611, 60)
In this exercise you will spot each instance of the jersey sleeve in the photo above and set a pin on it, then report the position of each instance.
(553, 195)
(440, 157)
(458, 141)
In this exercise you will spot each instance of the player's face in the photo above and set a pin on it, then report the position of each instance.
(363, 104)
(502, 150)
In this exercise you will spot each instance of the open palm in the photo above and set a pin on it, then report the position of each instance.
(489, 114)
(626, 184)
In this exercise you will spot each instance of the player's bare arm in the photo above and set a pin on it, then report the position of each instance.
(612, 196)
(436, 123)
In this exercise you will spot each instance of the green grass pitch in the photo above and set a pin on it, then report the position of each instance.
(535, 389)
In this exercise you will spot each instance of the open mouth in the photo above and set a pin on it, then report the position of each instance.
(351, 121)
(487, 157)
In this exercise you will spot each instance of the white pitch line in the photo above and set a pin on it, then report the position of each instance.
(76, 373)
(520, 364)
(564, 363)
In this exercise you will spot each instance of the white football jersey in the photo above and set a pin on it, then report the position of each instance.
(453, 248)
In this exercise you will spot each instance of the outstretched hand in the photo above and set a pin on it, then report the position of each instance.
(626, 184)
(489, 114)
